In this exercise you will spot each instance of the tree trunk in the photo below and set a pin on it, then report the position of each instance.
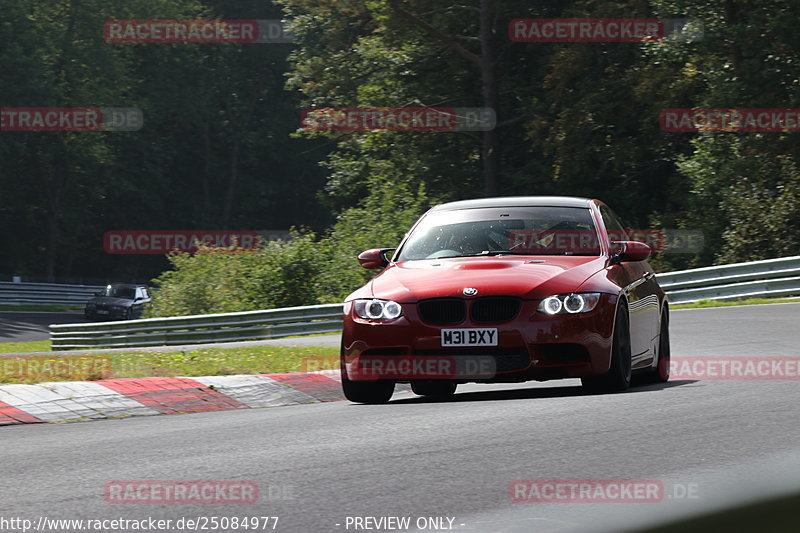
(205, 217)
(490, 143)
(229, 194)
(56, 181)
(485, 64)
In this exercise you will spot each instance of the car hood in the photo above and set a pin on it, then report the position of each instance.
(529, 277)
(109, 300)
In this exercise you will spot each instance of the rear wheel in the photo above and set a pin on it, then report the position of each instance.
(434, 388)
(372, 392)
(618, 377)
(660, 373)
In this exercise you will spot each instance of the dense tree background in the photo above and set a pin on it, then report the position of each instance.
(221, 147)
(216, 150)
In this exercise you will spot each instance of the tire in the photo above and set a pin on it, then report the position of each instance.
(660, 374)
(371, 392)
(434, 388)
(618, 377)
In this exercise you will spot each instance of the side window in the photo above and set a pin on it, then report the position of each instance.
(616, 231)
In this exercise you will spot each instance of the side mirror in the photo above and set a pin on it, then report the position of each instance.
(630, 251)
(374, 258)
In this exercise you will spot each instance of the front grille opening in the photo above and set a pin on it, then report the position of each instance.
(563, 352)
(493, 309)
(442, 311)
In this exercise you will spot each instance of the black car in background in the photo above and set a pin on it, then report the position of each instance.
(118, 301)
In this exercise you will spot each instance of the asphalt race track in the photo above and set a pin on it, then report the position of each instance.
(29, 326)
(709, 443)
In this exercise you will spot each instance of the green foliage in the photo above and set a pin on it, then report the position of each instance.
(221, 149)
(301, 271)
(747, 199)
(743, 188)
(576, 119)
(382, 61)
(215, 151)
(379, 222)
(229, 279)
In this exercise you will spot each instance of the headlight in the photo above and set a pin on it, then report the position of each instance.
(571, 303)
(377, 309)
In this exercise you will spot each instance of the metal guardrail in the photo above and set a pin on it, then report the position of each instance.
(199, 329)
(753, 279)
(46, 293)
(774, 277)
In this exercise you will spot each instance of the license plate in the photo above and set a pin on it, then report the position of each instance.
(102, 312)
(469, 337)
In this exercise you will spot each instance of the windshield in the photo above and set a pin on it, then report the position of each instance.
(127, 293)
(497, 231)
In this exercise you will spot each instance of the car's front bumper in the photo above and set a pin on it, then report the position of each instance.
(533, 346)
(106, 314)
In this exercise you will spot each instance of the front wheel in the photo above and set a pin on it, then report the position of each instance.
(372, 392)
(434, 388)
(618, 377)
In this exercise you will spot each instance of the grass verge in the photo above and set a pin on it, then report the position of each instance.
(206, 362)
(24, 347)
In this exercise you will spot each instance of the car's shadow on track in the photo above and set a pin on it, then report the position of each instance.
(536, 393)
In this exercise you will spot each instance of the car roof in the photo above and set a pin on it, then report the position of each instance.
(516, 201)
(131, 285)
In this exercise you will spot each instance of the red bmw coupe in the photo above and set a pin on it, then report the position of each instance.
(506, 290)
